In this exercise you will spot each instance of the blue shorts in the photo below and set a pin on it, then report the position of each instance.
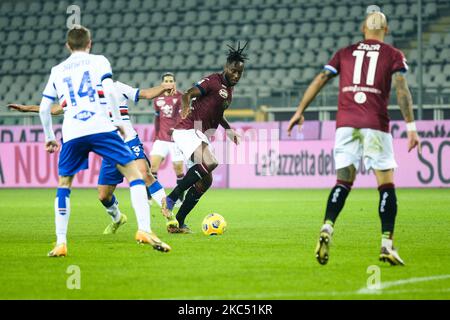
(109, 145)
(109, 174)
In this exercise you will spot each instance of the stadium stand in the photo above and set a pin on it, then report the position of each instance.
(289, 42)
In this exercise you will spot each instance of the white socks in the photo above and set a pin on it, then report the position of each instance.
(140, 204)
(62, 214)
(157, 192)
(385, 242)
(112, 208)
(159, 196)
(327, 227)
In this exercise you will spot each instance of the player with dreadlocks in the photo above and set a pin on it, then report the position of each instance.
(210, 97)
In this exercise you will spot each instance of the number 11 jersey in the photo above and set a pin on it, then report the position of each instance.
(365, 72)
(76, 84)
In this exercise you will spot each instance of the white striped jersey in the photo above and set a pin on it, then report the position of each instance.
(126, 93)
(77, 84)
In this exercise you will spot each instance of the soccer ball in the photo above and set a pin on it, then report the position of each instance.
(214, 224)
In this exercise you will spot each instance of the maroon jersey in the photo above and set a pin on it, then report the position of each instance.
(209, 107)
(365, 72)
(167, 114)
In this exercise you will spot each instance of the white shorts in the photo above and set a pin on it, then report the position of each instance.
(373, 146)
(188, 141)
(163, 148)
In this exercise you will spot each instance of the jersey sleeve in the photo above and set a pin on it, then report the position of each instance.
(104, 68)
(177, 105)
(205, 85)
(399, 62)
(130, 93)
(50, 89)
(157, 119)
(156, 108)
(46, 119)
(334, 64)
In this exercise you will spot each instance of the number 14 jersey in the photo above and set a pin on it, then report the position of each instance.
(365, 72)
(76, 83)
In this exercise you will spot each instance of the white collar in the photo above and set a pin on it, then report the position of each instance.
(76, 53)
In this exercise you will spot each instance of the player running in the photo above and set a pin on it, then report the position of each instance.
(110, 176)
(366, 69)
(365, 72)
(167, 114)
(210, 98)
(84, 87)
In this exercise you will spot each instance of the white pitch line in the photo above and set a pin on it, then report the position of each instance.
(389, 284)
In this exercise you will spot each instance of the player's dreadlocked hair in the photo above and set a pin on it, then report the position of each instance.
(237, 55)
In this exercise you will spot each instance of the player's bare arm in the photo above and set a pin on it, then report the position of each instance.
(231, 134)
(51, 146)
(314, 88)
(192, 93)
(404, 97)
(151, 93)
(404, 100)
(56, 109)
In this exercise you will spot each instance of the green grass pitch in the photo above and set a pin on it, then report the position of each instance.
(266, 253)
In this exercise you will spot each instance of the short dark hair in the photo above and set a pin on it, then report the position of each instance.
(78, 37)
(237, 55)
(168, 74)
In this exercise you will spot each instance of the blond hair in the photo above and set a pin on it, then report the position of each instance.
(376, 21)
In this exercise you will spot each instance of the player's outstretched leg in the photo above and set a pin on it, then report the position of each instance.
(155, 190)
(155, 162)
(62, 214)
(158, 192)
(335, 204)
(181, 198)
(141, 207)
(178, 168)
(387, 210)
(192, 197)
(194, 174)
